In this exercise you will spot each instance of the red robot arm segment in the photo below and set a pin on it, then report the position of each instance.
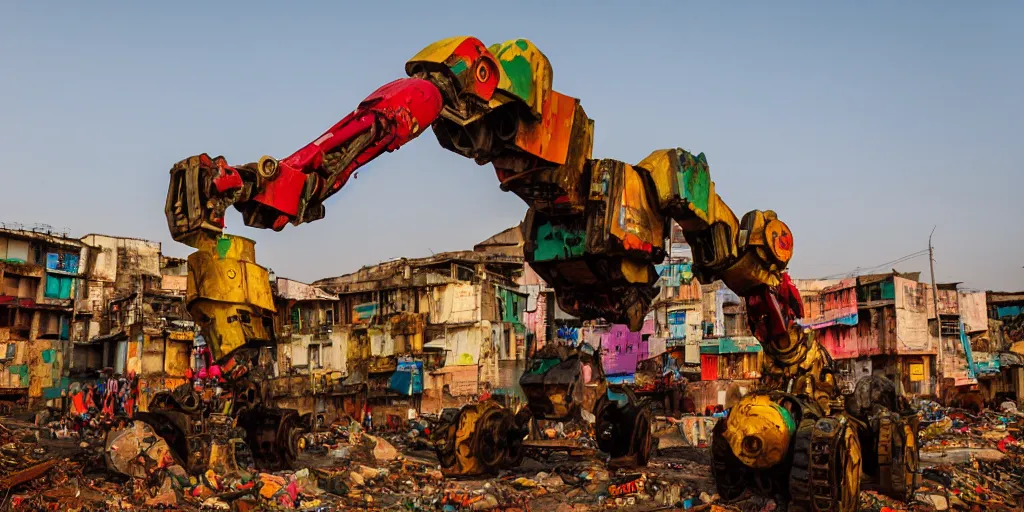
(272, 193)
(386, 120)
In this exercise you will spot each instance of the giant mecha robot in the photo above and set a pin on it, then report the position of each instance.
(595, 229)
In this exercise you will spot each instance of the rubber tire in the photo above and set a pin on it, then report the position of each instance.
(449, 460)
(641, 438)
(799, 471)
(732, 478)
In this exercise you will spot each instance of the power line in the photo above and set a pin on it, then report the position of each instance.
(866, 270)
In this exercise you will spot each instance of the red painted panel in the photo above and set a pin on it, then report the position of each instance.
(708, 367)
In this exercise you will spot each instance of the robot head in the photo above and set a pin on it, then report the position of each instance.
(464, 70)
(496, 99)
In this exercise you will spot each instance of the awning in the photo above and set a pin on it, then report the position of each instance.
(118, 336)
(434, 344)
(730, 345)
(1008, 359)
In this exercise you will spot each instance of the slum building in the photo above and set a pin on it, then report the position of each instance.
(428, 333)
(948, 332)
(891, 332)
(886, 323)
(40, 276)
(1002, 373)
(541, 316)
(312, 353)
(134, 321)
(541, 321)
(831, 315)
(731, 358)
(678, 314)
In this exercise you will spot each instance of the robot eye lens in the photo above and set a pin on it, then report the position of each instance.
(482, 73)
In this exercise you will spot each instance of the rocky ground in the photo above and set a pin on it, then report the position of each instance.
(344, 468)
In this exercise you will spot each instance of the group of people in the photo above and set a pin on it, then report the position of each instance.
(110, 396)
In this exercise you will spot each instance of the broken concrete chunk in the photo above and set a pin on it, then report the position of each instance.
(486, 503)
(368, 473)
(356, 478)
(215, 504)
(382, 450)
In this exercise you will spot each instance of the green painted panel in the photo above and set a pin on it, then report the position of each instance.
(888, 290)
(52, 287)
(695, 180)
(559, 243)
(459, 67)
(511, 305)
(49, 356)
(65, 287)
(543, 365)
(21, 370)
(519, 72)
(223, 246)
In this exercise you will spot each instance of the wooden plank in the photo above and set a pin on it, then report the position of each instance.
(26, 475)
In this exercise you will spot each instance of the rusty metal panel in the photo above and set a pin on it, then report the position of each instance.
(526, 73)
(973, 311)
(177, 358)
(227, 280)
(40, 368)
(295, 290)
(911, 317)
(549, 139)
(629, 217)
(174, 283)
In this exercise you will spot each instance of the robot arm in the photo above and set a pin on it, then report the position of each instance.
(749, 255)
(272, 193)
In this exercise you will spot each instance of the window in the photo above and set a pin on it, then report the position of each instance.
(314, 357)
(464, 274)
(59, 287)
(62, 261)
(10, 286)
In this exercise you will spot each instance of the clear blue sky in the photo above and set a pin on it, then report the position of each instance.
(862, 124)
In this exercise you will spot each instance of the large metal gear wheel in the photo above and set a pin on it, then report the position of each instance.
(479, 438)
(826, 469)
(491, 439)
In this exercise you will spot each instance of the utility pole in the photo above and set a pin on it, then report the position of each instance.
(938, 324)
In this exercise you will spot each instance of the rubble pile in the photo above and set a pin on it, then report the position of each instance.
(346, 468)
(970, 461)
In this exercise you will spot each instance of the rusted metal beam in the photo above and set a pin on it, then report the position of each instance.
(26, 475)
